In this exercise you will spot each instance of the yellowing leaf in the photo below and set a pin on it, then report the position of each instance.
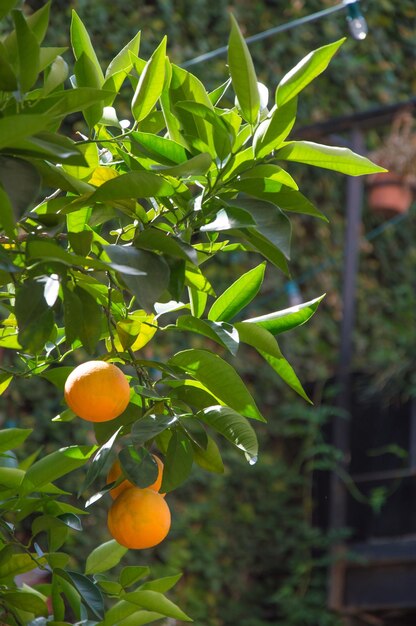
(101, 175)
(135, 332)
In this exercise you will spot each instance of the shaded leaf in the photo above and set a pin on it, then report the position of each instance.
(238, 295)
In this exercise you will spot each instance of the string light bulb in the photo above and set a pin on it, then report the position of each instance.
(356, 20)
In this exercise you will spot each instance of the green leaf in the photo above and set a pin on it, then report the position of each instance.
(99, 461)
(266, 345)
(178, 463)
(138, 466)
(198, 300)
(160, 149)
(150, 426)
(132, 573)
(156, 240)
(328, 157)
(72, 315)
(243, 74)
(11, 478)
(281, 321)
(16, 564)
(221, 333)
(305, 71)
(133, 185)
(8, 81)
(28, 52)
(34, 316)
(26, 600)
(55, 465)
(104, 557)
(162, 585)
(87, 76)
(196, 166)
(7, 215)
(238, 295)
(15, 127)
(210, 458)
(294, 201)
(270, 177)
(219, 378)
(13, 438)
(233, 427)
(6, 7)
(125, 614)
(5, 380)
(229, 218)
(21, 182)
(91, 321)
(81, 44)
(150, 85)
(122, 62)
(154, 601)
(273, 131)
(267, 249)
(90, 593)
(146, 274)
(270, 221)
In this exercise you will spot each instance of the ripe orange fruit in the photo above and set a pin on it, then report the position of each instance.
(115, 472)
(139, 518)
(97, 391)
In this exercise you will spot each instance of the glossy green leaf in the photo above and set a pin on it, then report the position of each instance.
(87, 76)
(328, 157)
(198, 300)
(238, 295)
(305, 71)
(55, 465)
(150, 85)
(16, 564)
(145, 273)
(273, 131)
(99, 461)
(150, 426)
(293, 201)
(11, 438)
(267, 175)
(34, 316)
(156, 240)
(196, 166)
(161, 149)
(243, 74)
(229, 218)
(154, 601)
(267, 249)
(90, 593)
(220, 332)
(266, 345)
(28, 52)
(104, 557)
(133, 185)
(233, 427)
(281, 321)
(126, 614)
(81, 44)
(210, 458)
(138, 466)
(178, 463)
(270, 221)
(219, 378)
(11, 478)
(122, 62)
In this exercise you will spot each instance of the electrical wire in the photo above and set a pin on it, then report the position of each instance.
(267, 33)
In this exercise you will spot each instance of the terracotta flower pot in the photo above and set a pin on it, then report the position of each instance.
(389, 194)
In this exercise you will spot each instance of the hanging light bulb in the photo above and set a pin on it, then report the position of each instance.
(356, 20)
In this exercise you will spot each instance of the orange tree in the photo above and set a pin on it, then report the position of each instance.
(104, 247)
